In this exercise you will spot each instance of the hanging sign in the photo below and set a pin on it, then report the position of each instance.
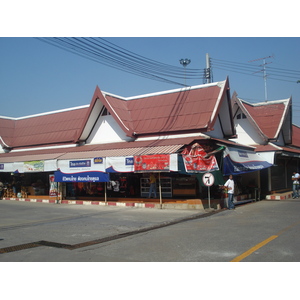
(34, 166)
(150, 163)
(238, 161)
(196, 160)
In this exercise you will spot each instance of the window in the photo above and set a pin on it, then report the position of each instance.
(241, 116)
(105, 112)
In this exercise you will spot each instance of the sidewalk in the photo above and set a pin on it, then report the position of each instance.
(187, 204)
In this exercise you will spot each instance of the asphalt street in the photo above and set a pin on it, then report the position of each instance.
(260, 232)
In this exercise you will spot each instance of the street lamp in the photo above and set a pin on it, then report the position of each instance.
(184, 62)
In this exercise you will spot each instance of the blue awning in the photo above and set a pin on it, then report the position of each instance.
(237, 161)
(88, 176)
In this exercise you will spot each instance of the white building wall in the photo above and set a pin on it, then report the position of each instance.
(217, 132)
(246, 134)
(107, 130)
(280, 141)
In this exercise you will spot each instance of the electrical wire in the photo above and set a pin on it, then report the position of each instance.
(253, 70)
(104, 52)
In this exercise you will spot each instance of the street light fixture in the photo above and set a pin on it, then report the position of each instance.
(184, 62)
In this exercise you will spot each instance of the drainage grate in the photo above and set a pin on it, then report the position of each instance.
(18, 247)
(53, 244)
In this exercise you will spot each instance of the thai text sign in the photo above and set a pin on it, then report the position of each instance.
(149, 163)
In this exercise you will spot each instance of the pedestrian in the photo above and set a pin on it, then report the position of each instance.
(1, 189)
(295, 179)
(229, 186)
(152, 188)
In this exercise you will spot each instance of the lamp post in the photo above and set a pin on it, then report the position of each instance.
(184, 62)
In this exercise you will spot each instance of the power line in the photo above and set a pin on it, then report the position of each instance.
(243, 68)
(104, 52)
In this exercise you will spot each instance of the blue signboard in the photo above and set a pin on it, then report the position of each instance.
(89, 176)
(80, 163)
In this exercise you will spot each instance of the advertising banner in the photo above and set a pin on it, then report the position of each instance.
(119, 164)
(152, 163)
(79, 165)
(196, 160)
(33, 166)
(238, 161)
(53, 190)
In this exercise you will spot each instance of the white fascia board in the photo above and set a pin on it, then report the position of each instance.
(44, 148)
(46, 113)
(175, 136)
(219, 83)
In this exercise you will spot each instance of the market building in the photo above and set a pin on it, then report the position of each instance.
(268, 127)
(108, 149)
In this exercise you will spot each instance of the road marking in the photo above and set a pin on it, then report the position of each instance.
(251, 250)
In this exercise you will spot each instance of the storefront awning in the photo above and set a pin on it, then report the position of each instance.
(237, 161)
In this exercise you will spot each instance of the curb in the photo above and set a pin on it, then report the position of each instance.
(279, 197)
(116, 204)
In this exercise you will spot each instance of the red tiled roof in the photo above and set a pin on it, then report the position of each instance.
(6, 131)
(52, 128)
(266, 148)
(295, 136)
(177, 111)
(172, 112)
(268, 117)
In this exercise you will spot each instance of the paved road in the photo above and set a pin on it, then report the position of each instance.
(266, 231)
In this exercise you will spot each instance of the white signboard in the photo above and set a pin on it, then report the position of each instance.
(208, 179)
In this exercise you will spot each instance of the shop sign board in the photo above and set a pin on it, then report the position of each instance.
(89, 176)
(80, 163)
(1, 166)
(152, 163)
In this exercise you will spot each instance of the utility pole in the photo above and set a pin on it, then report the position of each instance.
(184, 62)
(207, 71)
(264, 72)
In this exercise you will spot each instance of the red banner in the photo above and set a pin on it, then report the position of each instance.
(196, 160)
(150, 163)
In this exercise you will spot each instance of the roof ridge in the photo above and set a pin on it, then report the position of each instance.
(219, 83)
(45, 113)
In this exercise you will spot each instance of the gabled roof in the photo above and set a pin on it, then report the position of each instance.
(176, 111)
(180, 111)
(269, 118)
(57, 127)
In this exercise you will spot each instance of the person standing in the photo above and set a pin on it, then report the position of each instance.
(152, 188)
(295, 179)
(229, 185)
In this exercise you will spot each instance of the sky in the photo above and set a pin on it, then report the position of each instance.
(36, 77)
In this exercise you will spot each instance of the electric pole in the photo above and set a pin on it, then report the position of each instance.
(264, 72)
(207, 71)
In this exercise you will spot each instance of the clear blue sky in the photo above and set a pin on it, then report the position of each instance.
(36, 77)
